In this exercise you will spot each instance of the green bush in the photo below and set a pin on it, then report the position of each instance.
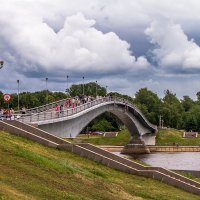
(103, 125)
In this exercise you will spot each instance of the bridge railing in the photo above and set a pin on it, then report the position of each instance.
(45, 107)
(53, 114)
(129, 104)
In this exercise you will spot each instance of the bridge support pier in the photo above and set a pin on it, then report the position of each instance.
(136, 146)
(135, 149)
(149, 139)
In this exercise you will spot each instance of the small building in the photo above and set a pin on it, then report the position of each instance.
(190, 134)
(110, 134)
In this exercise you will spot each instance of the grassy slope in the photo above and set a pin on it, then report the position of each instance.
(164, 137)
(31, 171)
(122, 139)
(168, 137)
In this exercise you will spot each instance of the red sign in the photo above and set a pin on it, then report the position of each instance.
(7, 97)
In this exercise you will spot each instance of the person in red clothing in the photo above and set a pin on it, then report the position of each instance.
(67, 104)
(73, 103)
(57, 107)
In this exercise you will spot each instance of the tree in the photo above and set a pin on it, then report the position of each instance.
(105, 122)
(172, 110)
(103, 125)
(191, 119)
(90, 89)
(198, 96)
(187, 103)
(149, 104)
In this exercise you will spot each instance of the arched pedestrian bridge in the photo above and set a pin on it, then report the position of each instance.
(70, 122)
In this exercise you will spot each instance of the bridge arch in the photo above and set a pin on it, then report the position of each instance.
(72, 125)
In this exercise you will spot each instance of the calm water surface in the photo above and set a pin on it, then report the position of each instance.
(177, 161)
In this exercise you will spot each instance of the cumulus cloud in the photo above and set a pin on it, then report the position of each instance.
(77, 46)
(52, 38)
(173, 50)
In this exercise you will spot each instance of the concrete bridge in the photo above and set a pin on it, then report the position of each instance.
(70, 122)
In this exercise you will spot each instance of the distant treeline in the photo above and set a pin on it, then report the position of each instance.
(175, 113)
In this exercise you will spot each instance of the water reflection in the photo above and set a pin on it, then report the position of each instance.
(177, 160)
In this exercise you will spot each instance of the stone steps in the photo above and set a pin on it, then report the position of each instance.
(137, 165)
(37, 131)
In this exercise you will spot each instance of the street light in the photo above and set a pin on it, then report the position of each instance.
(106, 89)
(83, 86)
(162, 124)
(47, 89)
(18, 94)
(67, 84)
(96, 89)
(1, 64)
(160, 121)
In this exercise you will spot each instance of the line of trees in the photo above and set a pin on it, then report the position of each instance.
(180, 114)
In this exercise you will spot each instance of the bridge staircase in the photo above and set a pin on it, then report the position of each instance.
(99, 155)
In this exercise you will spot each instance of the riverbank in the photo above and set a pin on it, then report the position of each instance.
(156, 148)
(168, 137)
(174, 148)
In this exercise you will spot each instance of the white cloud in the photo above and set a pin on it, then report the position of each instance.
(39, 36)
(77, 46)
(173, 48)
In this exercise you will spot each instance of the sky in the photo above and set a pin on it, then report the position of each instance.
(122, 44)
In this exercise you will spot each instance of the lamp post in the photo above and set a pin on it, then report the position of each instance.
(162, 124)
(47, 89)
(160, 121)
(1, 64)
(18, 94)
(83, 86)
(67, 84)
(96, 89)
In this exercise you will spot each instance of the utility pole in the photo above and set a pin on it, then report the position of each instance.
(83, 86)
(96, 89)
(47, 90)
(67, 84)
(18, 94)
(160, 121)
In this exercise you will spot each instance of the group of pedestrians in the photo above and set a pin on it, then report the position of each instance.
(78, 100)
(70, 103)
(7, 114)
(74, 102)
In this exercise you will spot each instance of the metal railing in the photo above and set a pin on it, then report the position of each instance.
(45, 107)
(53, 114)
(66, 112)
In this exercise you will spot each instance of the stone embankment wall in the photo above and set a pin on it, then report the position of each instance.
(174, 148)
(157, 148)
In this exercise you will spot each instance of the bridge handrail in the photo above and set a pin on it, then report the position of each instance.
(47, 115)
(45, 107)
(72, 110)
(130, 104)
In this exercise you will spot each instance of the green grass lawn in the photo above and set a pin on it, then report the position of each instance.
(31, 171)
(169, 137)
(163, 137)
(122, 139)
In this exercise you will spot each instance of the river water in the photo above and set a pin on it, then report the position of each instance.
(175, 160)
